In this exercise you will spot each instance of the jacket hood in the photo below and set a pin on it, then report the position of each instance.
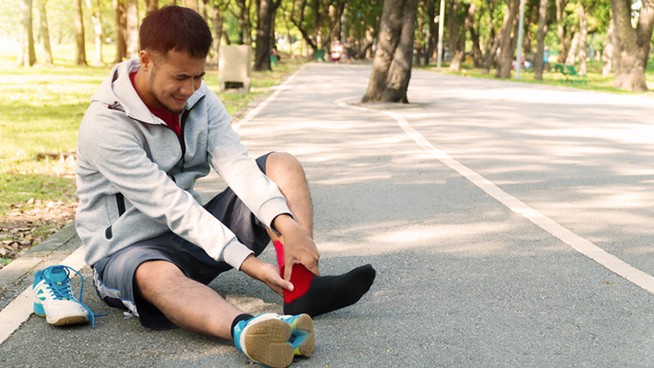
(119, 84)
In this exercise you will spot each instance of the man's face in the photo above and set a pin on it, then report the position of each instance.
(172, 79)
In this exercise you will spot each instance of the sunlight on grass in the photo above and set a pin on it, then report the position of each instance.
(593, 80)
(40, 111)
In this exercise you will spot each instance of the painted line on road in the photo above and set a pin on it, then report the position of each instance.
(581, 245)
(255, 111)
(20, 309)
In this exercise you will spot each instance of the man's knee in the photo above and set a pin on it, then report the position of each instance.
(153, 274)
(280, 165)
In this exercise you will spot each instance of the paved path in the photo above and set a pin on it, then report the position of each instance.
(510, 225)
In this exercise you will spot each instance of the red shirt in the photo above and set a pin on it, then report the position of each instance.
(171, 119)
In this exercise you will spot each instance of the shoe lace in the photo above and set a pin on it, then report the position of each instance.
(61, 290)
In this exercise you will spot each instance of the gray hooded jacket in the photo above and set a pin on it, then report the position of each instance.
(135, 178)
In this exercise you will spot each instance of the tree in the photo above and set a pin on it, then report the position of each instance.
(457, 11)
(44, 32)
(632, 44)
(391, 69)
(132, 36)
(96, 18)
(78, 19)
(540, 40)
(27, 55)
(266, 11)
(507, 41)
(120, 23)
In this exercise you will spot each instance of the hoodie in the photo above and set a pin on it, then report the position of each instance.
(135, 177)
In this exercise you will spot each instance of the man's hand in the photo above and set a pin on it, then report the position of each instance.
(298, 246)
(266, 273)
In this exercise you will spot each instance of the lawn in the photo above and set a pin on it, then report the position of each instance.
(40, 111)
(594, 80)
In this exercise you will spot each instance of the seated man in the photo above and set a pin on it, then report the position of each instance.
(152, 129)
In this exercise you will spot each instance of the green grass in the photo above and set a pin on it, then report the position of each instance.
(593, 80)
(40, 111)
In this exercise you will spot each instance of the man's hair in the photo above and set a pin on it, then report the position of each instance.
(175, 28)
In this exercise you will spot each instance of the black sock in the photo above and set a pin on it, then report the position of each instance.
(239, 318)
(329, 293)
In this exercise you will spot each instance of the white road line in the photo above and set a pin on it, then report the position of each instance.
(20, 309)
(581, 245)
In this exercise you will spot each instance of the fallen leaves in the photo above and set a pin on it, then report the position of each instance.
(31, 223)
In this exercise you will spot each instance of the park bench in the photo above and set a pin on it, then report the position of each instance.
(569, 72)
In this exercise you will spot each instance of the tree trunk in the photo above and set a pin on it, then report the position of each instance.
(44, 31)
(217, 22)
(493, 39)
(244, 22)
(192, 4)
(432, 41)
(132, 37)
(632, 45)
(391, 69)
(607, 53)
(539, 63)
(477, 58)
(79, 34)
(27, 56)
(456, 13)
(565, 35)
(121, 30)
(151, 5)
(506, 51)
(583, 33)
(97, 30)
(266, 13)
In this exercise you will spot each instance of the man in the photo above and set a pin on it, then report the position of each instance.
(151, 130)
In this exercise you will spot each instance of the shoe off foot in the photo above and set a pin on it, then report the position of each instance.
(273, 340)
(54, 300)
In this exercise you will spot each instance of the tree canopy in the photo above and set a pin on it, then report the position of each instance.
(617, 33)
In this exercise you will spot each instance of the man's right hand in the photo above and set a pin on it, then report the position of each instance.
(266, 273)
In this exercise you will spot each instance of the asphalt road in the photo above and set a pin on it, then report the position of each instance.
(510, 225)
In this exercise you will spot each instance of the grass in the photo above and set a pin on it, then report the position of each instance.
(40, 111)
(594, 80)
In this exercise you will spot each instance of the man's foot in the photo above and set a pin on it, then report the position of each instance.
(316, 295)
(329, 293)
(54, 300)
(272, 340)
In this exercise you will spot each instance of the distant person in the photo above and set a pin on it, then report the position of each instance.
(152, 129)
(546, 59)
(336, 51)
(275, 56)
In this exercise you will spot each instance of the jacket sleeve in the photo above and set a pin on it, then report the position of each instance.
(116, 150)
(231, 160)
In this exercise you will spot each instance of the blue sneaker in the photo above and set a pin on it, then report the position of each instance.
(302, 338)
(270, 339)
(54, 299)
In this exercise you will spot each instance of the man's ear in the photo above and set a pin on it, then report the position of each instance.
(146, 60)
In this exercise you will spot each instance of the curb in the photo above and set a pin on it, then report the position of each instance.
(55, 248)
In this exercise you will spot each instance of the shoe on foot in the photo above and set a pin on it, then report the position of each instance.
(54, 299)
(270, 339)
(302, 338)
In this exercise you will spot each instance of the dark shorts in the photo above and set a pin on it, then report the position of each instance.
(114, 275)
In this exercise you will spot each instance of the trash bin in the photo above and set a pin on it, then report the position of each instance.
(234, 67)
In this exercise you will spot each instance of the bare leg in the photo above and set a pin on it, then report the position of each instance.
(187, 303)
(313, 294)
(287, 172)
